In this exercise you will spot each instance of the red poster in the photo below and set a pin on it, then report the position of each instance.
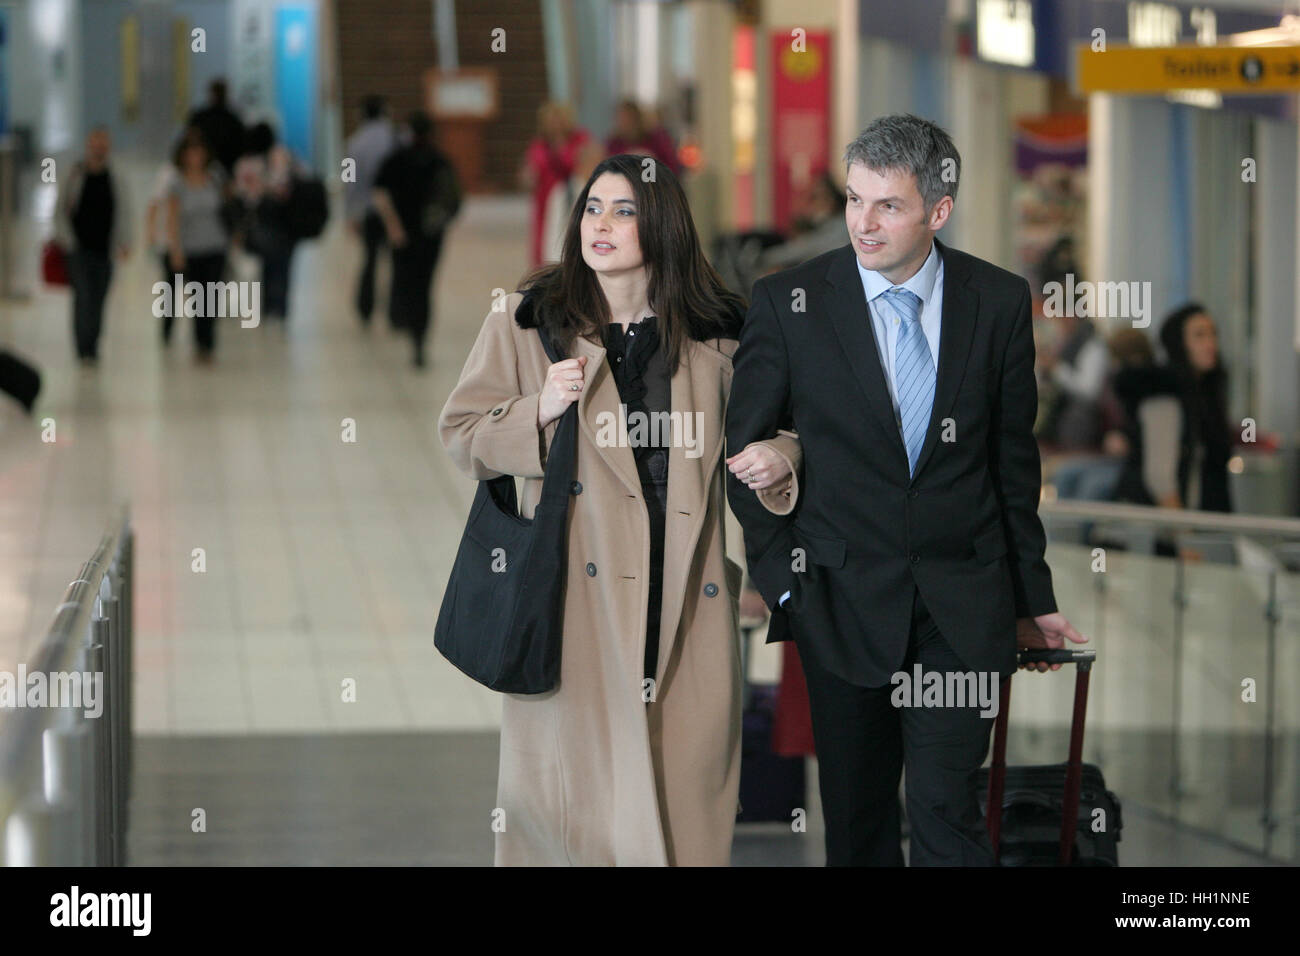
(801, 112)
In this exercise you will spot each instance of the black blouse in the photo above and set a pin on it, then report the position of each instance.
(644, 386)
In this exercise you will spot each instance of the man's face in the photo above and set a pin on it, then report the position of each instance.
(888, 223)
(97, 146)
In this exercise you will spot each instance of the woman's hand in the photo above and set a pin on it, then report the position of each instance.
(563, 386)
(758, 466)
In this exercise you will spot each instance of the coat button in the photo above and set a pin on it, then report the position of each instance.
(710, 589)
(591, 570)
(575, 487)
(916, 558)
(913, 493)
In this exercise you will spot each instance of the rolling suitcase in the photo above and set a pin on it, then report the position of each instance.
(1059, 814)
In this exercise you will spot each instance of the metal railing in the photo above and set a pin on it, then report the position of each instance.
(1199, 614)
(65, 754)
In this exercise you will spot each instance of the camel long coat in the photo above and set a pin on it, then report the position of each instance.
(590, 773)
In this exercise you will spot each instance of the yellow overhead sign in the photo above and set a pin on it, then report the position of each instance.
(1156, 69)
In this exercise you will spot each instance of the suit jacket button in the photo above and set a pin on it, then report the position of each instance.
(913, 493)
(591, 570)
(575, 487)
(710, 589)
(916, 558)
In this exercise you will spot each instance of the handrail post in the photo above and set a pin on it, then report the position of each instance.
(1176, 657)
(1271, 615)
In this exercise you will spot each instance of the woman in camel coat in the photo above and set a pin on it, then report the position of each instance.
(634, 759)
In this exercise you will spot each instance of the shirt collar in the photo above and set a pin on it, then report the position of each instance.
(921, 284)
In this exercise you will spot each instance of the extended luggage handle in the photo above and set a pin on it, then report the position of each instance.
(1048, 655)
(1074, 767)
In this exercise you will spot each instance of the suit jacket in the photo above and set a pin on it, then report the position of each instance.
(964, 529)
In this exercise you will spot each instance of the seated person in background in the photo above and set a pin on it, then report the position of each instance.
(818, 228)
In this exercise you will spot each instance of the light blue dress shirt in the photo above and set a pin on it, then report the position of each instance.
(927, 285)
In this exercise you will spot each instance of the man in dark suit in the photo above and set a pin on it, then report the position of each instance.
(914, 546)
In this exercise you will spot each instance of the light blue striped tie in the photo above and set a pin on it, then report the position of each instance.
(913, 373)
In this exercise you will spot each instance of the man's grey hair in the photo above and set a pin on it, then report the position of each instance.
(906, 143)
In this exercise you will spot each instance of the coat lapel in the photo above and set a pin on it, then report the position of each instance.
(697, 386)
(599, 401)
(960, 305)
(852, 320)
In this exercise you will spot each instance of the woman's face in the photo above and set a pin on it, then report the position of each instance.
(195, 158)
(1202, 342)
(610, 243)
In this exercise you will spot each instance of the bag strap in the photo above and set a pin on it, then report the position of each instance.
(561, 456)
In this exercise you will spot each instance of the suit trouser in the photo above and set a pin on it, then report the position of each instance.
(863, 744)
(372, 239)
(413, 268)
(90, 274)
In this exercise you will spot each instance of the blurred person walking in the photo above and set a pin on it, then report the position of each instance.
(155, 220)
(372, 143)
(634, 758)
(222, 129)
(264, 183)
(197, 237)
(92, 221)
(560, 202)
(635, 133)
(417, 195)
(549, 164)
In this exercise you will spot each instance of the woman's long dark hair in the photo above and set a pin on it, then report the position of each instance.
(1205, 402)
(685, 292)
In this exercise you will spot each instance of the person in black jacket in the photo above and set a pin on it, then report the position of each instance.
(222, 129)
(92, 222)
(416, 195)
(907, 369)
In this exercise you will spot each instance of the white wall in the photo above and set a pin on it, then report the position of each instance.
(45, 71)
(1277, 199)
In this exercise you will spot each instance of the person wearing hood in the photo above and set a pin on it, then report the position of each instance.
(634, 759)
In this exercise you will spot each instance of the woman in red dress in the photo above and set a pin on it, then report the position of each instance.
(549, 163)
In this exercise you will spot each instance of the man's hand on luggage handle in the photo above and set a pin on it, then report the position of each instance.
(1045, 631)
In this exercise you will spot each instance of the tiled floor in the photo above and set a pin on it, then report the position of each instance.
(325, 560)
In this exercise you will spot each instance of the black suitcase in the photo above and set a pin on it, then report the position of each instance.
(1049, 815)
(19, 379)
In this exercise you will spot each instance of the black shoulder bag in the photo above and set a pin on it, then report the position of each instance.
(503, 611)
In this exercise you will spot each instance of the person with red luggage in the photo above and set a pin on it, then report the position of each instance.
(907, 369)
(91, 221)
